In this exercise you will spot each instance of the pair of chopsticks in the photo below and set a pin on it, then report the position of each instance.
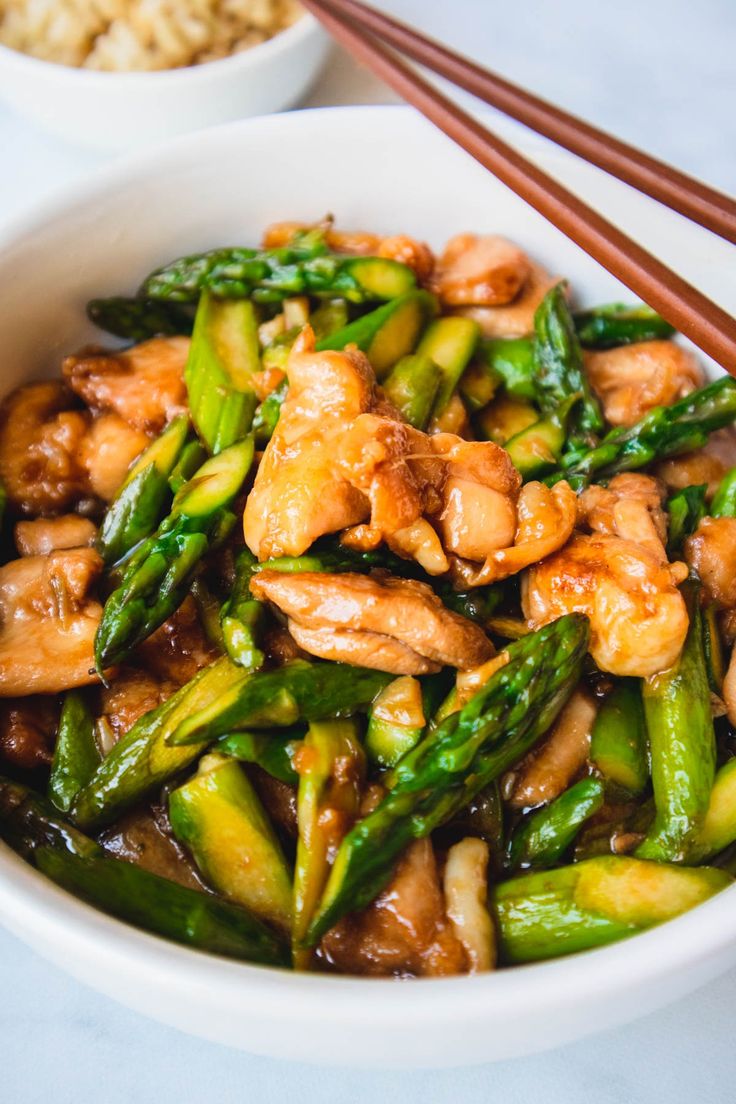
(366, 33)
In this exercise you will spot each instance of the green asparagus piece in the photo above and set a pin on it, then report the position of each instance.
(539, 447)
(34, 828)
(332, 768)
(217, 815)
(158, 576)
(269, 275)
(398, 717)
(513, 360)
(208, 611)
(477, 605)
(479, 384)
(724, 500)
(412, 387)
(550, 913)
(483, 817)
(273, 752)
(223, 358)
(663, 431)
(267, 414)
(559, 364)
(139, 319)
(387, 333)
(683, 747)
(715, 660)
(145, 495)
(76, 755)
(455, 761)
(620, 324)
(192, 457)
(241, 616)
(329, 317)
(542, 838)
(450, 342)
(618, 745)
(686, 509)
(298, 691)
(718, 829)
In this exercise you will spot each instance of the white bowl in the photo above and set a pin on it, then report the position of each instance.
(117, 111)
(382, 169)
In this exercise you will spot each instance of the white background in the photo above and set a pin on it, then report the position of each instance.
(661, 73)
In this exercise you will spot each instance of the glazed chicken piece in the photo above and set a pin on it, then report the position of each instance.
(465, 884)
(480, 271)
(107, 451)
(515, 319)
(177, 650)
(632, 379)
(27, 731)
(141, 837)
(707, 465)
(405, 932)
(44, 535)
(48, 622)
(711, 552)
(131, 693)
(394, 625)
(630, 507)
(637, 615)
(144, 385)
(551, 767)
(40, 437)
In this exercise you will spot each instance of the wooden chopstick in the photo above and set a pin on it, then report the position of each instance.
(684, 194)
(686, 308)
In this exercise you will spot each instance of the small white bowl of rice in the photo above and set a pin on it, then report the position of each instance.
(115, 74)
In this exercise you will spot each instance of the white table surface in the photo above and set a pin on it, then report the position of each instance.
(662, 74)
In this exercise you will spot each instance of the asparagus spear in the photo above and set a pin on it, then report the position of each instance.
(557, 912)
(559, 364)
(267, 414)
(450, 342)
(223, 358)
(387, 333)
(538, 447)
(192, 457)
(724, 500)
(412, 387)
(34, 828)
(269, 275)
(76, 755)
(273, 751)
(663, 431)
(139, 319)
(332, 767)
(618, 743)
(455, 761)
(683, 747)
(543, 838)
(398, 717)
(143, 498)
(512, 359)
(158, 575)
(217, 815)
(713, 651)
(241, 616)
(718, 829)
(620, 324)
(477, 605)
(686, 509)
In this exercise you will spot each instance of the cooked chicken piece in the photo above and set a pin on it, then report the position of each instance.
(638, 617)
(48, 622)
(405, 931)
(40, 436)
(143, 385)
(550, 769)
(453, 419)
(480, 271)
(466, 902)
(107, 451)
(177, 650)
(711, 552)
(416, 255)
(279, 799)
(27, 731)
(632, 379)
(630, 507)
(478, 496)
(418, 541)
(131, 694)
(141, 838)
(298, 494)
(395, 625)
(729, 689)
(44, 535)
(516, 319)
(707, 465)
(545, 521)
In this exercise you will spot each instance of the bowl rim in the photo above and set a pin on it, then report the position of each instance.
(33, 907)
(306, 26)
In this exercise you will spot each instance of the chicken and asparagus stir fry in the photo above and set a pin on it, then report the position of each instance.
(369, 611)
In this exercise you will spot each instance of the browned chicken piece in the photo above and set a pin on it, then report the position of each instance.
(143, 385)
(141, 838)
(637, 615)
(465, 882)
(27, 731)
(729, 689)
(630, 507)
(632, 379)
(405, 932)
(177, 650)
(480, 271)
(711, 552)
(44, 535)
(708, 465)
(48, 622)
(40, 436)
(395, 625)
(552, 767)
(414, 254)
(107, 451)
(545, 519)
(279, 799)
(131, 693)
(515, 319)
